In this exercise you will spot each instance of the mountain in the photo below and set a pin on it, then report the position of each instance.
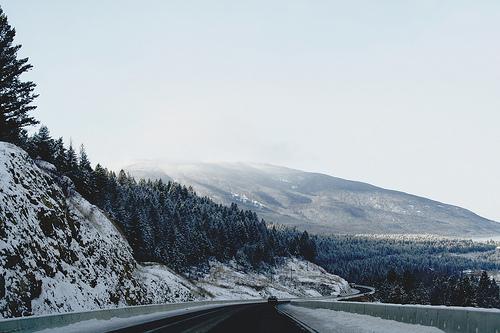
(60, 253)
(320, 203)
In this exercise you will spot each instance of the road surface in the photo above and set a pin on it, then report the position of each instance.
(241, 318)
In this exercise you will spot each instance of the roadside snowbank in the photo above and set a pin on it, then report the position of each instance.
(324, 320)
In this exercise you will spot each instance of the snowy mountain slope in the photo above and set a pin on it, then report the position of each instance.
(321, 203)
(291, 278)
(59, 253)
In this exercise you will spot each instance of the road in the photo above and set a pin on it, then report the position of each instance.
(241, 318)
(215, 316)
(260, 317)
(363, 291)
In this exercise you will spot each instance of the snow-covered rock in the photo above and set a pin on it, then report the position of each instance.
(59, 253)
(291, 278)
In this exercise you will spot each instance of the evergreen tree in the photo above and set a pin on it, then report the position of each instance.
(408, 280)
(16, 95)
(85, 179)
(43, 145)
(397, 295)
(59, 154)
(102, 188)
(487, 292)
(392, 276)
(307, 247)
(71, 163)
(467, 292)
(495, 294)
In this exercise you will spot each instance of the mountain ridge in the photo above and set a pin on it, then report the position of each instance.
(321, 203)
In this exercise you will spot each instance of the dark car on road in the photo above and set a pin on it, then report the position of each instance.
(273, 300)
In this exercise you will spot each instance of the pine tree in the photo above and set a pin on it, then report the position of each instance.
(59, 154)
(467, 291)
(392, 276)
(44, 145)
(101, 186)
(85, 179)
(483, 291)
(495, 294)
(307, 248)
(16, 96)
(71, 162)
(408, 280)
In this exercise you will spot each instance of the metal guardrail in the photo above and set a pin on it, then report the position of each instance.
(448, 319)
(53, 321)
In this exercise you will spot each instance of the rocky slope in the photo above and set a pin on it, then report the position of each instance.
(321, 203)
(59, 253)
(291, 278)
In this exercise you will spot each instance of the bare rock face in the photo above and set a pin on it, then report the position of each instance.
(59, 253)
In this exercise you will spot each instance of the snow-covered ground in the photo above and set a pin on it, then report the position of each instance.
(292, 278)
(324, 320)
(59, 253)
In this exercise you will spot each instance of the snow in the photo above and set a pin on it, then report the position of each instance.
(324, 320)
(244, 199)
(46, 166)
(59, 253)
(290, 279)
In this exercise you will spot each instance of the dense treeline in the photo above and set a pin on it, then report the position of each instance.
(167, 222)
(423, 270)
(439, 289)
(365, 259)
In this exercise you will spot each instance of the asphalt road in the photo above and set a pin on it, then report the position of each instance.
(257, 318)
(242, 318)
(363, 290)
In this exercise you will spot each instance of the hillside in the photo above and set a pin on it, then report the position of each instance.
(321, 203)
(59, 253)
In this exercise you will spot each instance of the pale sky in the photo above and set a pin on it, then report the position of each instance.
(401, 94)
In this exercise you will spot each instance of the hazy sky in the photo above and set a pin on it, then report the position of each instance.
(401, 94)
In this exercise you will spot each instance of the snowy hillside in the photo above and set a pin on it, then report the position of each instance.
(320, 203)
(59, 253)
(291, 278)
